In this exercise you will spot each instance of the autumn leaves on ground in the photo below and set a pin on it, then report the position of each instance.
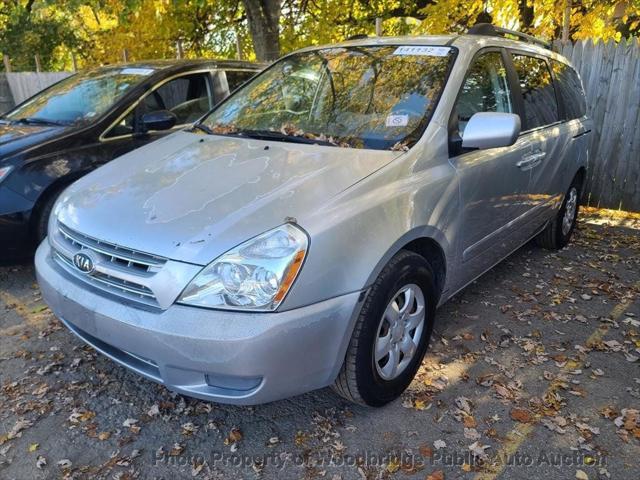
(533, 372)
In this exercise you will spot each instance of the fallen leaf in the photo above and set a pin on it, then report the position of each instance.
(478, 450)
(235, 435)
(437, 475)
(393, 465)
(469, 422)
(426, 451)
(521, 415)
(176, 450)
(129, 422)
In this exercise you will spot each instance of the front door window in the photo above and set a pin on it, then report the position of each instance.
(188, 97)
(485, 89)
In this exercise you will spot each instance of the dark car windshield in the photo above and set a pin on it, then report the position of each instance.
(378, 97)
(80, 98)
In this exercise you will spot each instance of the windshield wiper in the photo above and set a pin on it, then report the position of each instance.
(37, 121)
(281, 137)
(202, 128)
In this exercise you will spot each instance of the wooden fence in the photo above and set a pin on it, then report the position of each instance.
(25, 84)
(611, 76)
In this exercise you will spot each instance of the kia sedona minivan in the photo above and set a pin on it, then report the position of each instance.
(303, 233)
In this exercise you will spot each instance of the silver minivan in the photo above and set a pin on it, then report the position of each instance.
(304, 232)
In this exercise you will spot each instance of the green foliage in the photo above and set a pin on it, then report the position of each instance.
(26, 31)
(97, 31)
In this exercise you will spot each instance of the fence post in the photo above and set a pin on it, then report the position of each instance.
(7, 63)
(378, 27)
(566, 21)
(38, 66)
(125, 55)
(238, 48)
(74, 64)
(179, 51)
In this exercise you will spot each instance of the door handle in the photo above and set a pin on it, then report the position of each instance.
(531, 161)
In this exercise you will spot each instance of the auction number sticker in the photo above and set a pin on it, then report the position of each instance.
(422, 50)
(137, 71)
(397, 120)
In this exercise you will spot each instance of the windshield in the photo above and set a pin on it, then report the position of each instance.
(377, 97)
(80, 98)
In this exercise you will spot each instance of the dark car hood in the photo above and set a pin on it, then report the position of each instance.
(191, 197)
(18, 137)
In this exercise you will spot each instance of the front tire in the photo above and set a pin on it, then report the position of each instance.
(41, 220)
(391, 334)
(558, 233)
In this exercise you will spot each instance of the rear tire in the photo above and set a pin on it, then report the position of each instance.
(391, 334)
(558, 232)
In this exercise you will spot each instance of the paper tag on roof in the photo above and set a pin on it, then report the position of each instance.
(136, 71)
(422, 50)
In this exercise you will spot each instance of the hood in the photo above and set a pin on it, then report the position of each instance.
(17, 137)
(192, 197)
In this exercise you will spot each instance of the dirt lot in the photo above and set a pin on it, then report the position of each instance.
(533, 372)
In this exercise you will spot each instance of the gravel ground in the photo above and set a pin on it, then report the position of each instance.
(533, 372)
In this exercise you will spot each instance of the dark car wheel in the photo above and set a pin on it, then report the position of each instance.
(42, 214)
(558, 232)
(391, 334)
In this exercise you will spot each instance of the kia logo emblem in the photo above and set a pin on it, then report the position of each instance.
(83, 262)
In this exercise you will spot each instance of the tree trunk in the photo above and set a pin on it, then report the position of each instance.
(264, 24)
(527, 14)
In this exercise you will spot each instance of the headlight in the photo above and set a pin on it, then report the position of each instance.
(4, 172)
(255, 275)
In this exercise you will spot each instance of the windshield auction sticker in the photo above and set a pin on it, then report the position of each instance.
(422, 50)
(397, 120)
(137, 71)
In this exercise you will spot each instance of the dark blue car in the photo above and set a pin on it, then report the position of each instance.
(88, 119)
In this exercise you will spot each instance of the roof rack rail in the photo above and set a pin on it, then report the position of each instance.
(492, 30)
(358, 36)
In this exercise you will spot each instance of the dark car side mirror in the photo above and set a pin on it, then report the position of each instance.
(159, 120)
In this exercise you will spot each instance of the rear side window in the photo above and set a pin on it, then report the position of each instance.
(186, 97)
(540, 104)
(570, 89)
(235, 78)
(485, 89)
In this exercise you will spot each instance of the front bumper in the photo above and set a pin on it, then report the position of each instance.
(15, 211)
(228, 357)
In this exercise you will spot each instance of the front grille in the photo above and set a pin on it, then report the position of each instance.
(118, 255)
(118, 270)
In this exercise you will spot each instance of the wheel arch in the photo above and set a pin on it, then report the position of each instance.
(54, 188)
(428, 242)
(581, 178)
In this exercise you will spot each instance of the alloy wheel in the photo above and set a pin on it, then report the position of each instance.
(399, 332)
(570, 211)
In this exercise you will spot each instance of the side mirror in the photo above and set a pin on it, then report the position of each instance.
(491, 130)
(159, 120)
